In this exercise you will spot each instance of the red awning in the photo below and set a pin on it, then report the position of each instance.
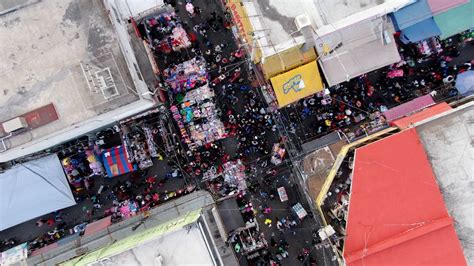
(405, 122)
(397, 215)
(408, 107)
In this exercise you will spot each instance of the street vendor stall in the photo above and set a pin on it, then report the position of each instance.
(194, 110)
(248, 239)
(82, 166)
(299, 210)
(234, 174)
(165, 33)
(278, 152)
(116, 162)
(282, 194)
(138, 141)
(187, 75)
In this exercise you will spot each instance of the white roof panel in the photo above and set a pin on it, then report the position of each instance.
(32, 189)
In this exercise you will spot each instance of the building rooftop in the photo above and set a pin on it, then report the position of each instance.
(274, 21)
(64, 53)
(396, 207)
(168, 249)
(447, 139)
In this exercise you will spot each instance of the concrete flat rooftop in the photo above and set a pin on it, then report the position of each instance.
(274, 20)
(183, 247)
(449, 144)
(63, 52)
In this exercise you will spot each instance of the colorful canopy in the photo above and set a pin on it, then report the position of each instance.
(420, 31)
(456, 20)
(438, 6)
(116, 161)
(408, 107)
(296, 84)
(406, 122)
(411, 15)
(397, 215)
(450, 17)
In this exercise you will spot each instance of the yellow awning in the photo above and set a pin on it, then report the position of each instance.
(244, 26)
(285, 60)
(296, 84)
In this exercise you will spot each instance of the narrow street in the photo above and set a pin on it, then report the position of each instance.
(251, 132)
(239, 98)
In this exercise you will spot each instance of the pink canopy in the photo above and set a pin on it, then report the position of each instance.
(409, 107)
(439, 6)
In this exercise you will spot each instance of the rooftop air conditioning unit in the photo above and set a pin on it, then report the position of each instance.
(302, 21)
(14, 124)
(304, 26)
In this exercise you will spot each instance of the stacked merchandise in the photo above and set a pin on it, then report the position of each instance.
(184, 133)
(278, 154)
(195, 111)
(139, 144)
(165, 33)
(429, 47)
(82, 166)
(234, 174)
(152, 149)
(186, 76)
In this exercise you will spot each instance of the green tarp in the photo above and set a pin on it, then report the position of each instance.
(456, 20)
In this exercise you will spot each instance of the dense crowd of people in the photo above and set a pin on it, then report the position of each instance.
(248, 120)
(353, 102)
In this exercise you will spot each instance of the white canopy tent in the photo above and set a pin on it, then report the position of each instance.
(32, 189)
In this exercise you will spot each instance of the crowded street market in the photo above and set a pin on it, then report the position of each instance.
(217, 132)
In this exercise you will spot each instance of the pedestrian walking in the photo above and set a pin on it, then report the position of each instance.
(190, 9)
(268, 222)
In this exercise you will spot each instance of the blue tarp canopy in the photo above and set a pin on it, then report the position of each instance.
(465, 83)
(420, 31)
(411, 15)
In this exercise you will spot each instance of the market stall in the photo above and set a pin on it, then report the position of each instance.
(81, 167)
(248, 240)
(165, 33)
(299, 210)
(138, 139)
(231, 179)
(187, 75)
(234, 174)
(116, 161)
(278, 153)
(194, 109)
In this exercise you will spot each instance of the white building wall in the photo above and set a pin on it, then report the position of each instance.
(116, 17)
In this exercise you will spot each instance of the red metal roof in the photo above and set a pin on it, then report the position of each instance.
(397, 215)
(405, 122)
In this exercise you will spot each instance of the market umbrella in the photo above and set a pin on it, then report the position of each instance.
(465, 83)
